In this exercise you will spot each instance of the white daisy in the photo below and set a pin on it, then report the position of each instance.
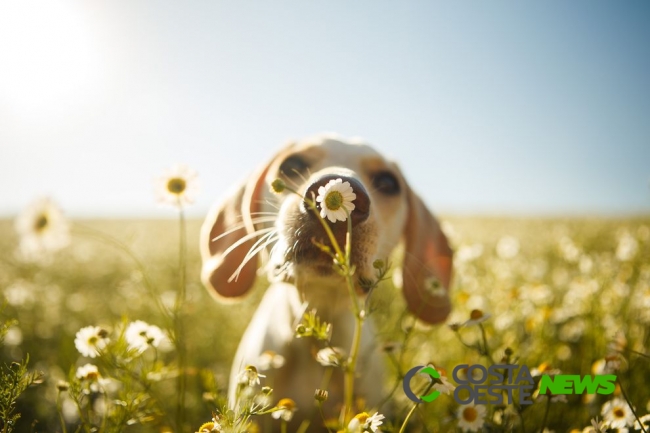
(330, 357)
(286, 409)
(362, 422)
(617, 413)
(90, 340)
(471, 417)
(140, 335)
(87, 372)
(42, 229)
(178, 187)
(334, 199)
(249, 376)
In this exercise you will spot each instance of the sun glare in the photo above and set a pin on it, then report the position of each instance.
(48, 57)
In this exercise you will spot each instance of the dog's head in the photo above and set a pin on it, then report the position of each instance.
(253, 218)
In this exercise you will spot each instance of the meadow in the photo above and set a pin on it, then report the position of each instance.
(568, 296)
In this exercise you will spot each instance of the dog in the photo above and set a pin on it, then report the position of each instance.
(253, 221)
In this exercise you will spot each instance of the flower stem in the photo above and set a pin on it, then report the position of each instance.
(630, 405)
(179, 331)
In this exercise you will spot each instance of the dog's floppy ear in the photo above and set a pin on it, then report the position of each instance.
(221, 256)
(426, 273)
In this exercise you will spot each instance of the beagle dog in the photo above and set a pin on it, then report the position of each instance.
(253, 221)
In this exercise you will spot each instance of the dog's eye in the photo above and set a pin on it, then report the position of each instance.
(293, 166)
(386, 183)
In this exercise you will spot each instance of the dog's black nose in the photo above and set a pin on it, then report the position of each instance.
(361, 201)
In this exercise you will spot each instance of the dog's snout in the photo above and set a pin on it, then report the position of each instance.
(361, 201)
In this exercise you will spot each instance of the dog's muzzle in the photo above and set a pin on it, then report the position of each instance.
(361, 202)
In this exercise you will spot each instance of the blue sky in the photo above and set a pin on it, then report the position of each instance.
(489, 107)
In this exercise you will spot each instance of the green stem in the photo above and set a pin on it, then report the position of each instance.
(60, 411)
(408, 416)
(181, 382)
(630, 405)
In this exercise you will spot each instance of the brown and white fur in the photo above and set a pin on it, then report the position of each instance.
(387, 212)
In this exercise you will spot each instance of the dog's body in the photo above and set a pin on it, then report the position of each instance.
(302, 276)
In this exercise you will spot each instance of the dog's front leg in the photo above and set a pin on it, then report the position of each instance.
(271, 329)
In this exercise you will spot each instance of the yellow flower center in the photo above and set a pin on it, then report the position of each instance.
(362, 417)
(287, 403)
(41, 222)
(176, 185)
(476, 314)
(93, 340)
(619, 413)
(470, 414)
(334, 200)
(207, 427)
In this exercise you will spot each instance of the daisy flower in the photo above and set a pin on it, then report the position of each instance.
(249, 376)
(617, 413)
(335, 198)
(471, 417)
(476, 317)
(363, 422)
(211, 426)
(330, 357)
(140, 336)
(178, 187)
(442, 384)
(87, 372)
(42, 229)
(286, 409)
(90, 340)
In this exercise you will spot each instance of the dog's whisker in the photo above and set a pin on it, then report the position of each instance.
(260, 241)
(251, 253)
(245, 239)
(241, 226)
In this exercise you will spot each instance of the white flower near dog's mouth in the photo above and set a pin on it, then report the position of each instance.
(335, 198)
(178, 187)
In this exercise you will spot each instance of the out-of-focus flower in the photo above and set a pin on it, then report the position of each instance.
(249, 376)
(330, 357)
(471, 417)
(475, 317)
(42, 229)
(286, 408)
(90, 340)
(140, 336)
(363, 422)
(335, 198)
(87, 372)
(178, 187)
(508, 247)
(627, 247)
(269, 359)
(212, 426)
(617, 413)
